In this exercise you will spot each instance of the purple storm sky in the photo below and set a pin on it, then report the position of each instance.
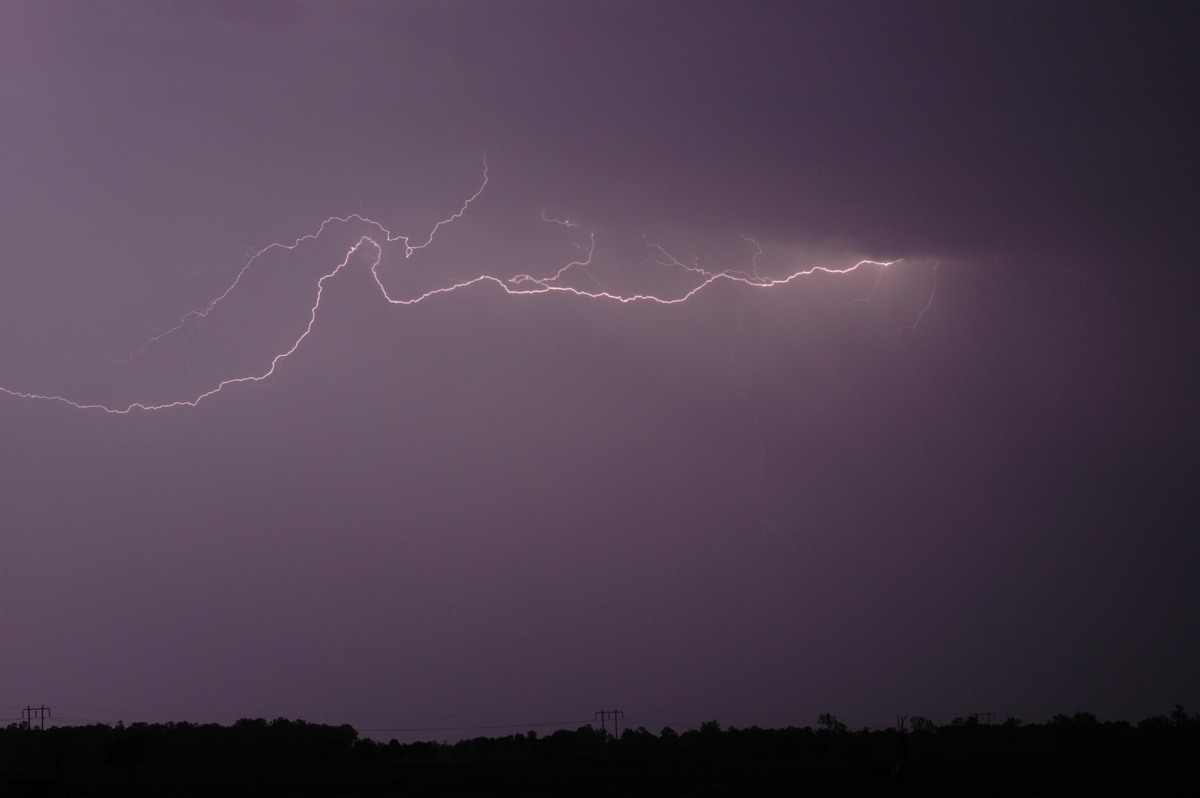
(965, 482)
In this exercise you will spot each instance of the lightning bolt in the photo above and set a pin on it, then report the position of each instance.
(372, 245)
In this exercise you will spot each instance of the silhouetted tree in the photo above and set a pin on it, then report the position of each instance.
(920, 724)
(829, 722)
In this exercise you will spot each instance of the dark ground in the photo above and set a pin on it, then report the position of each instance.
(1069, 756)
(1078, 774)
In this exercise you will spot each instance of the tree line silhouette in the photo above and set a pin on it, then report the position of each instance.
(1070, 753)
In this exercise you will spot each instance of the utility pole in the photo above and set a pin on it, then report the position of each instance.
(27, 714)
(604, 714)
(43, 712)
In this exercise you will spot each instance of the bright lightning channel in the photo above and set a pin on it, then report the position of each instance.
(373, 245)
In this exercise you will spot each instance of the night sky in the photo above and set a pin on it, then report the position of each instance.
(963, 482)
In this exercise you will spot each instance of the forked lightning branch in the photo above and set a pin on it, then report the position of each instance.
(371, 246)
